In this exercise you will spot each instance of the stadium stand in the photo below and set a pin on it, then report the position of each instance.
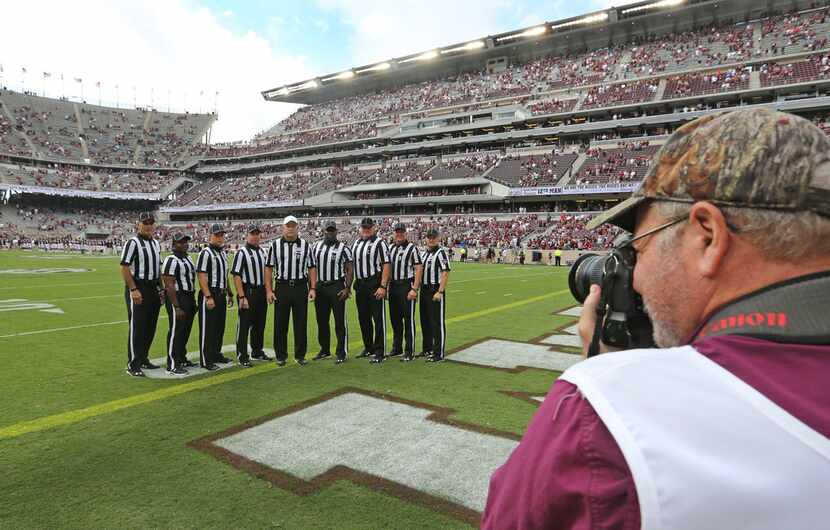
(67, 131)
(534, 170)
(626, 163)
(686, 85)
(78, 177)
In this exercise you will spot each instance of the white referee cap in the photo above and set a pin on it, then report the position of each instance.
(289, 219)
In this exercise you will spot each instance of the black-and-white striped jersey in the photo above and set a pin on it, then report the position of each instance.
(249, 265)
(330, 260)
(370, 255)
(290, 259)
(182, 270)
(435, 262)
(144, 258)
(214, 262)
(403, 259)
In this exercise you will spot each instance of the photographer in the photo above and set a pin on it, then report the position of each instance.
(725, 424)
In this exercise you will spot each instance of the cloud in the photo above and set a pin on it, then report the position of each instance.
(170, 50)
(227, 13)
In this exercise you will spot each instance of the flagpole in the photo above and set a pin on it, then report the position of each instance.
(63, 88)
(117, 98)
(99, 93)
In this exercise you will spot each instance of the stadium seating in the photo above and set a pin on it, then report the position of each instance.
(464, 167)
(533, 170)
(98, 179)
(686, 85)
(67, 131)
(812, 69)
(627, 163)
(620, 94)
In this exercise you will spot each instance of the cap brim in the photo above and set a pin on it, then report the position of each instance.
(622, 215)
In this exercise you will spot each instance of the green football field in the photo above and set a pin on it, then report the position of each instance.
(84, 445)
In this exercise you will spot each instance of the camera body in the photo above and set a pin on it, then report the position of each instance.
(622, 321)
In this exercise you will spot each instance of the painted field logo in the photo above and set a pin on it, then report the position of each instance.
(373, 440)
(21, 304)
(51, 270)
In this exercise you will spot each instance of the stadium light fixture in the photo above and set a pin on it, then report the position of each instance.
(348, 74)
(654, 5)
(530, 32)
(376, 68)
(432, 54)
(590, 19)
(475, 45)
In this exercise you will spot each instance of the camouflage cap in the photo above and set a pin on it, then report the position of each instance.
(756, 158)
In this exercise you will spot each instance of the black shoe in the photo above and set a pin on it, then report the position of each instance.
(424, 354)
(280, 363)
(147, 365)
(435, 359)
(395, 353)
(210, 367)
(224, 360)
(364, 353)
(320, 356)
(406, 358)
(377, 359)
(135, 373)
(188, 364)
(340, 360)
(261, 357)
(176, 371)
(246, 364)
(301, 362)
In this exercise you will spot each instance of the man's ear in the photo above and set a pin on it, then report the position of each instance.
(710, 237)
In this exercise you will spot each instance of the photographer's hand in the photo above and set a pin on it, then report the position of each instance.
(588, 321)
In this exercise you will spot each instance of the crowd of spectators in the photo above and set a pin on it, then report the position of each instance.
(813, 68)
(569, 233)
(410, 194)
(686, 85)
(626, 163)
(67, 176)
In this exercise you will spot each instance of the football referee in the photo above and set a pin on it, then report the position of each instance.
(212, 272)
(433, 298)
(371, 264)
(140, 269)
(179, 276)
(334, 264)
(248, 270)
(296, 283)
(407, 270)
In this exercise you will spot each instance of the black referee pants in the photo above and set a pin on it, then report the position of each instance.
(178, 331)
(212, 327)
(291, 299)
(402, 315)
(251, 322)
(325, 304)
(433, 321)
(371, 311)
(143, 318)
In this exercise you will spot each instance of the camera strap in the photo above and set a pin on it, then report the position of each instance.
(793, 311)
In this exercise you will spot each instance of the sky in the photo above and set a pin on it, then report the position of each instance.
(201, 55)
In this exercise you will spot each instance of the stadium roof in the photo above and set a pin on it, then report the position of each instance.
(590, 31)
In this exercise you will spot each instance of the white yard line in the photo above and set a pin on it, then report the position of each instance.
(499, 277)
(53, 285)
(509, 294)
(53, 330)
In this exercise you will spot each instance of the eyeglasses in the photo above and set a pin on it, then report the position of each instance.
(654, 230)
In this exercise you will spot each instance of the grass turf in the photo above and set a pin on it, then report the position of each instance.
(123, 461)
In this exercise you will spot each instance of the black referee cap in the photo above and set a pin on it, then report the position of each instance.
(254, 229)
(432, 232)
(367, 222)
(330, 225)
(146, 216)
(216, 228)
(400, 227)
(179, 236)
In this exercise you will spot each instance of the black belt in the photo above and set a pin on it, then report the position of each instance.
(402, 282)
(431, 287)
(292, 283)
(252, 287)
(146, 282)
(369, 278)
(186, 292)
(324, 284)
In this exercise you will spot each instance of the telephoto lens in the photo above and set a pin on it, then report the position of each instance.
(587, 270)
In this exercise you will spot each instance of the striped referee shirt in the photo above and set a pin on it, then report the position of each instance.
(330, 260)
(290, 259)
(249, 265)
(370, 255)
(182, 270)
(435, 262)
(215, 263)
(144, 258)
(404, 257)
